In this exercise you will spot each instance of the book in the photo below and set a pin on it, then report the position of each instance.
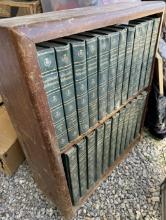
(119, 132)
(129, 128)
(125, 126)
(146, 52)
(65, 71)
(114, 130)
(78, 52)
(142, 27)
(113, 60)
(121, 62)
(128, 60)
(152, 50)
(141, 105)
(106, 146)
(82, 166)
(71, 170)
(49, 73)
(91, 149)
(99, 150)
(103, 65)
(92, 69)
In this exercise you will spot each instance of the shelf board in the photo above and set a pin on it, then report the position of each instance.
(51, 25)
(78, 139)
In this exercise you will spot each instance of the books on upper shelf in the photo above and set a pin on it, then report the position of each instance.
(87, 76)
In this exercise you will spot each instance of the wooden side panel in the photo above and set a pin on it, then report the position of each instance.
(27, 106)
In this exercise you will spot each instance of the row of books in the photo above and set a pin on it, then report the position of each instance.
(85, 162)
(86, 76)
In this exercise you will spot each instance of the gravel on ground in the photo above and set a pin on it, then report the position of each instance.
(131, 192)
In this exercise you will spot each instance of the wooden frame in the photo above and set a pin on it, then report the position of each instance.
(23, 92)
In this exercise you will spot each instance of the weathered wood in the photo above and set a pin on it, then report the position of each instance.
(23, 90)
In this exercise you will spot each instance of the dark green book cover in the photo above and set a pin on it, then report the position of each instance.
(121, 62)
(103, 67)
(106, 148)
(152, 50)
(65, 71)
(80, 79)
(49, 73)
(129, 128)
(128, 60)
(82, 166)
(146, 52)
(71, 170)
(91, 149)
(114, 131)
(125, 126)
(143, 30)
(99, 150)
(119, 133)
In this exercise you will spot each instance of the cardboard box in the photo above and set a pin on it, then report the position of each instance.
(11, 155)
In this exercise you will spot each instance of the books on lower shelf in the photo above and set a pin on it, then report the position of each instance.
(87, 76)
(91, 157)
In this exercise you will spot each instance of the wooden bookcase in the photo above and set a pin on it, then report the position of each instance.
(23, 91)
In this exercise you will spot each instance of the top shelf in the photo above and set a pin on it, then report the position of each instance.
(47, 26)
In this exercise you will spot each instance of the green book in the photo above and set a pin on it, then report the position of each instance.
(141, 105)
(113, 60)
(128, 60)
(103, 67)
(130, 123)
(91, 149)
(119, 133)
(65, 71)
(125, 126)
(71, 170)
(152, 50)
(114, 130)
(121, 62)
(142, 40)
(82, 166)
(49, 73)
(132, 81)
(80, 80)
(146, 52)
(99, 150)
(106, 146)
(91, 62)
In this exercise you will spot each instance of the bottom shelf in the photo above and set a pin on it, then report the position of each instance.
(120, 159)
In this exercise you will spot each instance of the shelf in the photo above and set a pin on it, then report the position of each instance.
(77, 140)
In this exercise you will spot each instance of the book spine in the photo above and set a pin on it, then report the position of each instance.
(50, 79)
(65, 70)
(134, 61)
(119, 132)
(125, 126)
(99, 150)
(115, 120)
(104, 45)
(152, 50)
(142, 37)
(128, 60)
(120, 68)
(133, 120)
(71, 170)
(114, 49)
(91, 48)
(91, 143)
(82, 166)
(107, 137)
(129, 128)
(81, 87)
(141, 106)
(146, 54)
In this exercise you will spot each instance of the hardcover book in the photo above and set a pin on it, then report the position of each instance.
(49, 73)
